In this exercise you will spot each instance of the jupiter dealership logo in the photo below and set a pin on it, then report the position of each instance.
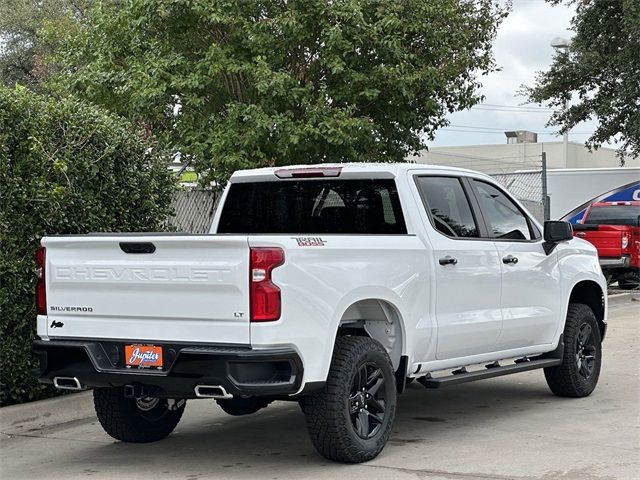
(142, 356)
(139, 357)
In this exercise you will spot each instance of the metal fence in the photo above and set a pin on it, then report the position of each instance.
(193, 210)
(528, 188)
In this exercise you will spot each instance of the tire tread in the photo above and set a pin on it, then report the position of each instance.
(564, 380)
(121, 419)
(324, 414)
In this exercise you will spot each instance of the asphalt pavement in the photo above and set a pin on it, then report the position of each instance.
(505, 428)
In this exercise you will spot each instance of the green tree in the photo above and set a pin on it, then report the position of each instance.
(600, 72)
(22, 48)
(259, 83)
(64, 168)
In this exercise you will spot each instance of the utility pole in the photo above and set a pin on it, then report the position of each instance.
(565, 141)
(559, 43)
(546, 207)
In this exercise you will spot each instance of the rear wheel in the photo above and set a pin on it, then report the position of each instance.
(136, 420)
(350, 419)
(578, 374)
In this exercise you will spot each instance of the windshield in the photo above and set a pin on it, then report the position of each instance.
(613, 215)
(368, 206)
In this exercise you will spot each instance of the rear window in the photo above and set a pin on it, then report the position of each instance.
(313, 206)
(614, 215)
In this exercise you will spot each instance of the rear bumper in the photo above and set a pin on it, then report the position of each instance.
(620, 262)
(241, 371)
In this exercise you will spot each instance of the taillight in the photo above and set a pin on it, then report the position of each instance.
(625, 241)
(41, 294)
(264, 295)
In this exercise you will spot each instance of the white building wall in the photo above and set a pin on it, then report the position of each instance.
(502, 158)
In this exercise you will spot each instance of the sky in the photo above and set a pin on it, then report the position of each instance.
(521, 49)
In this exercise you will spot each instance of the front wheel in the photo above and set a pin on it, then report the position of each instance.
(577, 375)
(630, 282)
(136, 420)
(350, 419)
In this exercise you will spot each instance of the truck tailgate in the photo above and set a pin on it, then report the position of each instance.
(606, 238)
(189, 289)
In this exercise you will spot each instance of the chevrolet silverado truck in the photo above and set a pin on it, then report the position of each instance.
(332, 286)
(614, 229)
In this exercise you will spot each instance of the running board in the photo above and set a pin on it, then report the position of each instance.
(492, 370)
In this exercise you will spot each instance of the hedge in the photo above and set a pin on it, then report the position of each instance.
(65, 167)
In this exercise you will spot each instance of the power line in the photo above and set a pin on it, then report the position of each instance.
(514, 106)
(501, 129)
(498, 132)
(513, 110)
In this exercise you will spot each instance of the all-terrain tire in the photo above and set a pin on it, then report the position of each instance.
(577, 375)
(124, 420)
(332, 424)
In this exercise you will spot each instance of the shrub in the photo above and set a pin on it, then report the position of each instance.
(65, 167)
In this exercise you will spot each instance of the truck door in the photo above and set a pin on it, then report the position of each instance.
(467, 270)
(531, 290)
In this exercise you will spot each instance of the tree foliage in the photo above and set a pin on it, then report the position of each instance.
(22, 48)
(600, 71)
(246, 84)
(64, 168)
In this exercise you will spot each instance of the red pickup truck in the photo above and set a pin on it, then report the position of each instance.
(614, 229)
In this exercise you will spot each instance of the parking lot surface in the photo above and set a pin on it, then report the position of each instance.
(504, 428)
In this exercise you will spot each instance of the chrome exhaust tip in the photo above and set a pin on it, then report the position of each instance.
(212, 391)
(67, 383)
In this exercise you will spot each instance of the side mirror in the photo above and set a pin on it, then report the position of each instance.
(556, 232)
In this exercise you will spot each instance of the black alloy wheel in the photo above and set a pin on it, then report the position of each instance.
(585, 351)
(367, 401)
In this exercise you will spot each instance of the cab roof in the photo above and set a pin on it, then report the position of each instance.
(341, 170)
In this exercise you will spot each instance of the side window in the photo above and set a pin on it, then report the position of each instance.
(504, 219)
(449, 206)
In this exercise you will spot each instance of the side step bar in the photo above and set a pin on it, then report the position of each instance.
(492, 370)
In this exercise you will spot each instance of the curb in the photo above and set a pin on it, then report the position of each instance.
(621, 298)
(16, 419)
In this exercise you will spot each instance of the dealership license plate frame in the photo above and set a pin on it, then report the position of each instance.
(143, 359)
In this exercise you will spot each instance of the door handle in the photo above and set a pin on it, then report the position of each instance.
(448, 260)
(510, 260)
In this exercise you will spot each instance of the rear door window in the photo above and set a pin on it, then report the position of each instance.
(449, 206)
(358, 206)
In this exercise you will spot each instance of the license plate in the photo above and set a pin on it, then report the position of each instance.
(143, 356)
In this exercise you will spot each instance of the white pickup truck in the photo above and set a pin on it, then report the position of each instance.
(329, 285)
